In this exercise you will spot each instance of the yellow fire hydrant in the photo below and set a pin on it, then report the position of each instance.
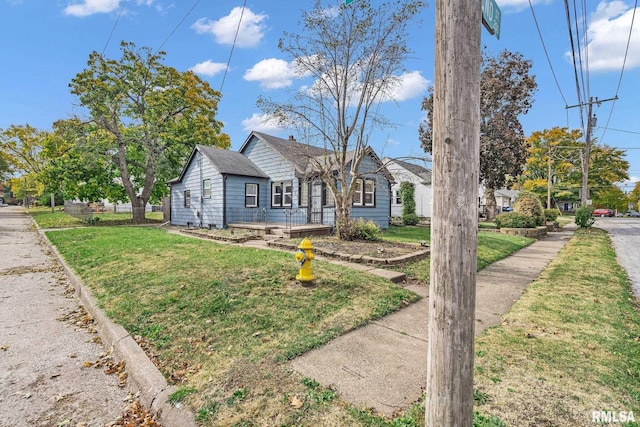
(304, 257)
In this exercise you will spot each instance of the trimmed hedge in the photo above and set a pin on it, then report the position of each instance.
(551, 214)
(528, 203)
(515, 220)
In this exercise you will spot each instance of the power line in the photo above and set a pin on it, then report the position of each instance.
(619, 130)
(115, 24)
(624, 61)
(178, 26)
(573, 56)
(544, 47)
(235, 38)
(584, 66)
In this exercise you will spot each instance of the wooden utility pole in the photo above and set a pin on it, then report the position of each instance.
(456, 164)
(584, 197)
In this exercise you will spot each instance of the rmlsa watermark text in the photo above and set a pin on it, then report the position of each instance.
(612, 417)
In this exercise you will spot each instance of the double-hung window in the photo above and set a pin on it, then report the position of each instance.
(251, 195)
(396, 197)
(187, 198)
(206, 189)
(281, 194)
(364, 194)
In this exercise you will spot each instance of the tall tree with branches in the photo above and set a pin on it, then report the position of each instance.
(152, 114)
(506, 93)
(355, 55)
(21, 148)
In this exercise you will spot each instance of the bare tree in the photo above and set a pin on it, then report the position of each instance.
(355, 54)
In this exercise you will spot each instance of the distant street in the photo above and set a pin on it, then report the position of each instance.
(625, 234)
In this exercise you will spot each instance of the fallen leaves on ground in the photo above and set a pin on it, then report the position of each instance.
(137, 415)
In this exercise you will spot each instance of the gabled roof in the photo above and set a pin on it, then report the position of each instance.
(295, 152)
(420, 171)
(225, 161)
(503, 192)
(231, 162)
(349, 156)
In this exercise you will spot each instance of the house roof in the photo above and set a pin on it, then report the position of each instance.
(503, 192)
(420, 171)
(330, 160)
(231, 162)
(225, 161)
(295, 152)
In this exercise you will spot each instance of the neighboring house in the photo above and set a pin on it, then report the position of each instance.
(270, 180)
(415, 174)
(505, 198)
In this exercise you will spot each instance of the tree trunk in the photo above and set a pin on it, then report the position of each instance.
(456, 164)
(138, 206)
(490, 206)
(343, 218)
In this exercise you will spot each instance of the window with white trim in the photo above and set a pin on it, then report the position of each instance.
(364, 194)
(251, 195)
(281, 194)
(396, 197)
(187, 198)
(206, 188)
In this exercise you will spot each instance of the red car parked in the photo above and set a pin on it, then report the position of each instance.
(602, 212)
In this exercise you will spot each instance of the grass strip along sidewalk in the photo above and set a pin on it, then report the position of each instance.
(570, 346)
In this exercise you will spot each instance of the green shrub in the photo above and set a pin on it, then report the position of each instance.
(410, 219)
(551, 214)
(514, 220)
(407, 195)
(528, 203)
(584, 217)
(45, 199)
(358, 229)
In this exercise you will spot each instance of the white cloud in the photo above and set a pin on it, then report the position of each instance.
(224, 29)
(272, 73)
(89, 7)
(208, 68)
(608, 34)
(411, 85)
(261, 123)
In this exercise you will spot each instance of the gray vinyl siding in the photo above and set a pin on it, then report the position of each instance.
(203, 211)
(235, 194)
(279, 170)
(381, 210)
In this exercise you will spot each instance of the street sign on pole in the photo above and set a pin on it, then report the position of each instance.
(491, 16)
(347, 1)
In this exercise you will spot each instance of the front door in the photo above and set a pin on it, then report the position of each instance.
(315, 210)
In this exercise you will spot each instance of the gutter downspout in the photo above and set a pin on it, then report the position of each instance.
(224, 201)
(201, 191)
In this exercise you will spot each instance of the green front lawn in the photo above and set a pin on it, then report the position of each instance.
(221, 319)
(491, 248)
(58, 219)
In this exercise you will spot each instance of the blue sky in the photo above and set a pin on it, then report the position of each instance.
(45, 43)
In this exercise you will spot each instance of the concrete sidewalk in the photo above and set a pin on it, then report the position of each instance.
(383, 365)
(42, 378)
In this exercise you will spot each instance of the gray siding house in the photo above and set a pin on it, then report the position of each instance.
(270, 180)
